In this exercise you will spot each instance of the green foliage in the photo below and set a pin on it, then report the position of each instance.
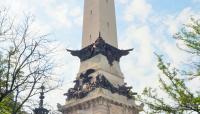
(7, 105)
(190, 35)
(183, 100)
(179, 98)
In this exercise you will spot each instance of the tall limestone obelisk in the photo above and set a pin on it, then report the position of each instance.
(99, 87)
(99, 17)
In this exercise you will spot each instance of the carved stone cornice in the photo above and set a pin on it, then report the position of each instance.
(100, 47)
(100, 97)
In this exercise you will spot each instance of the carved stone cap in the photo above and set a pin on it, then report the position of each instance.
(100, 47)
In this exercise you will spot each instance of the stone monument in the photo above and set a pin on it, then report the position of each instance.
(99, 86)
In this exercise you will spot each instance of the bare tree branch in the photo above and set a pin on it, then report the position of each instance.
(25, 63)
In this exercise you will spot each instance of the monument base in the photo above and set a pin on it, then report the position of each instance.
(101, 101)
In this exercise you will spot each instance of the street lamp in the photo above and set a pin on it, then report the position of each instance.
(41, 109)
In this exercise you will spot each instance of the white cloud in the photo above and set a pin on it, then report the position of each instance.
(56, 14)
(196, 1)
(122, 1)
(137, 9)
(59, 15)
(62, 15)
(142, 37)
(142, 65)
(77, 14)
(175, 22)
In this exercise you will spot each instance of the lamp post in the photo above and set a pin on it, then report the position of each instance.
(41, 109)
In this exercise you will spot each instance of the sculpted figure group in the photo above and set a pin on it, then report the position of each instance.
(85, 84)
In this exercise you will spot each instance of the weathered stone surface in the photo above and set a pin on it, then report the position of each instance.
(85, 84)
(99, 16)
(101, 101)
(100, 64)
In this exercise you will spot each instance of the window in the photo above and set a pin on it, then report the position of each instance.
(90, 39)
(91, 12)
(108, 24)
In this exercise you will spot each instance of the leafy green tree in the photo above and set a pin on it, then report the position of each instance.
(6, 106)
(179, 98)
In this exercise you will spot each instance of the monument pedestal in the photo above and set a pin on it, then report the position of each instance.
(101, 101)
(100, 64)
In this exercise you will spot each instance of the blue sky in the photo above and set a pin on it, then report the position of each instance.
(146, 25)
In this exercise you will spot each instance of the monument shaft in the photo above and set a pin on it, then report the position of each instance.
(99, 19)
(99, 16)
